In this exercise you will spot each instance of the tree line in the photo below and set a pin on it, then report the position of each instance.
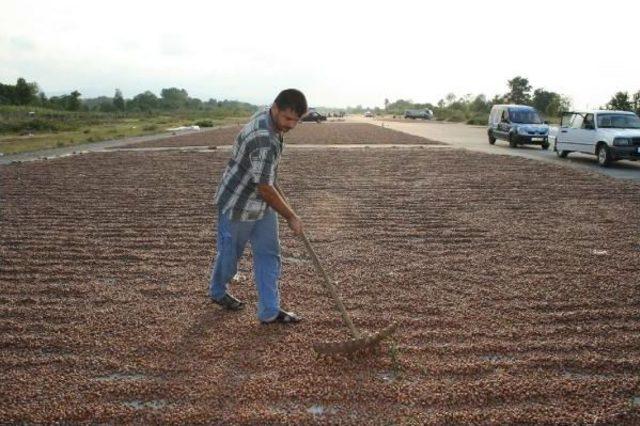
(623, 102)
(475, 109)
(25, 93)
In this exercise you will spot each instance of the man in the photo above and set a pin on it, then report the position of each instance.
(248, 200)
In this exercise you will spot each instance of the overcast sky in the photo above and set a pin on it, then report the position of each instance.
(339, 53)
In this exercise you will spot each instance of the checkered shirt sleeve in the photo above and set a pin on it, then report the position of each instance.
(263, 164)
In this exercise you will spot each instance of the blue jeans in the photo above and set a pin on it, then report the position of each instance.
(267, 264)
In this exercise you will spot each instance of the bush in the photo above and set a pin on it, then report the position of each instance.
(456, 116)
(204, 123)
(18, 125)
(478, 119)
(150, 128)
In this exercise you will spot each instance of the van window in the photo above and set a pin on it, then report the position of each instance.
(505, 116)
(588, 122)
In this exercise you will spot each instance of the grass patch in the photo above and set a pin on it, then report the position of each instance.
(39, 139)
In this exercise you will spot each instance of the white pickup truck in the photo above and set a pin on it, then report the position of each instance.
(610, 135)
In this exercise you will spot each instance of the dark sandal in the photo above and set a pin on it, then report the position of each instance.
(229, 302)
(284, 317)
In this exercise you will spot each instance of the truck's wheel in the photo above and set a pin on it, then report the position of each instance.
(545, 145)
(562, 154)
(604, 155)
(512, 141)
(492, 140)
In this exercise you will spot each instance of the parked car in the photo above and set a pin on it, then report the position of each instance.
(517, 124)
(610, 135)
(425, 114)
(314, 116)
(368, 114)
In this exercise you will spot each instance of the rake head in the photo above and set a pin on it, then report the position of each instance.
(361, 344)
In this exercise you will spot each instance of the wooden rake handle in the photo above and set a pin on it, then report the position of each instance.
(329, 286)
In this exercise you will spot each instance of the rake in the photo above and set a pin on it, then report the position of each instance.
(361, 341)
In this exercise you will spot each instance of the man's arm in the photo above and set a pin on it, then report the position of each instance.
(284, 198)
(273, 196)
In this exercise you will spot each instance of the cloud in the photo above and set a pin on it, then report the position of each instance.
(22, 44)
(128, 45)
(173, 45)
(340, 54)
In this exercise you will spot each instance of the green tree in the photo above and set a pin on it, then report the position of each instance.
(542, 99)
(620, 101)
(25, 93)
(557, 105)
(450, 99)
(480, 104)
(636, 102)
(118, 101)
(107, 105)
(73, 101)
(549, 103)
(519, 91)
(7, 94)
(146, 101)
(497, 99)
(194, 103)
(42, 99)
(174, 98)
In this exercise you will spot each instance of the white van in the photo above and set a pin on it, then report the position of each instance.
(610, 135)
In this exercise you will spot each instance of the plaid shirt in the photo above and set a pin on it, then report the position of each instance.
(254, 160)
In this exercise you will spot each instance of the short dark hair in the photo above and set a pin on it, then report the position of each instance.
(292, 99)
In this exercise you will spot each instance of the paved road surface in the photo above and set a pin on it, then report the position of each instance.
(474, 138)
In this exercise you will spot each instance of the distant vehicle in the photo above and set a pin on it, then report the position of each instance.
(517, 124)
(425, 114)
(368, 114)
(314, 116)
(610, 135)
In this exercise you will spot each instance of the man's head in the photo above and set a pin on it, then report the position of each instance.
(287, 109)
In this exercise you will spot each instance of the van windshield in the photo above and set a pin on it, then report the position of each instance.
(618, 121)
(524, 116)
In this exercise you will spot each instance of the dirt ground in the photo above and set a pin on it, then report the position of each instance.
(326, 133)
(516, 287)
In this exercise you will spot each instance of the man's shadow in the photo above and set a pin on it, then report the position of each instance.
(196, 347)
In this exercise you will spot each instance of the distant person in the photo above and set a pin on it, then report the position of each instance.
(248, 198)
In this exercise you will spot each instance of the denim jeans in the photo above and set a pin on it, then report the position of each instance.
(267, 265)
